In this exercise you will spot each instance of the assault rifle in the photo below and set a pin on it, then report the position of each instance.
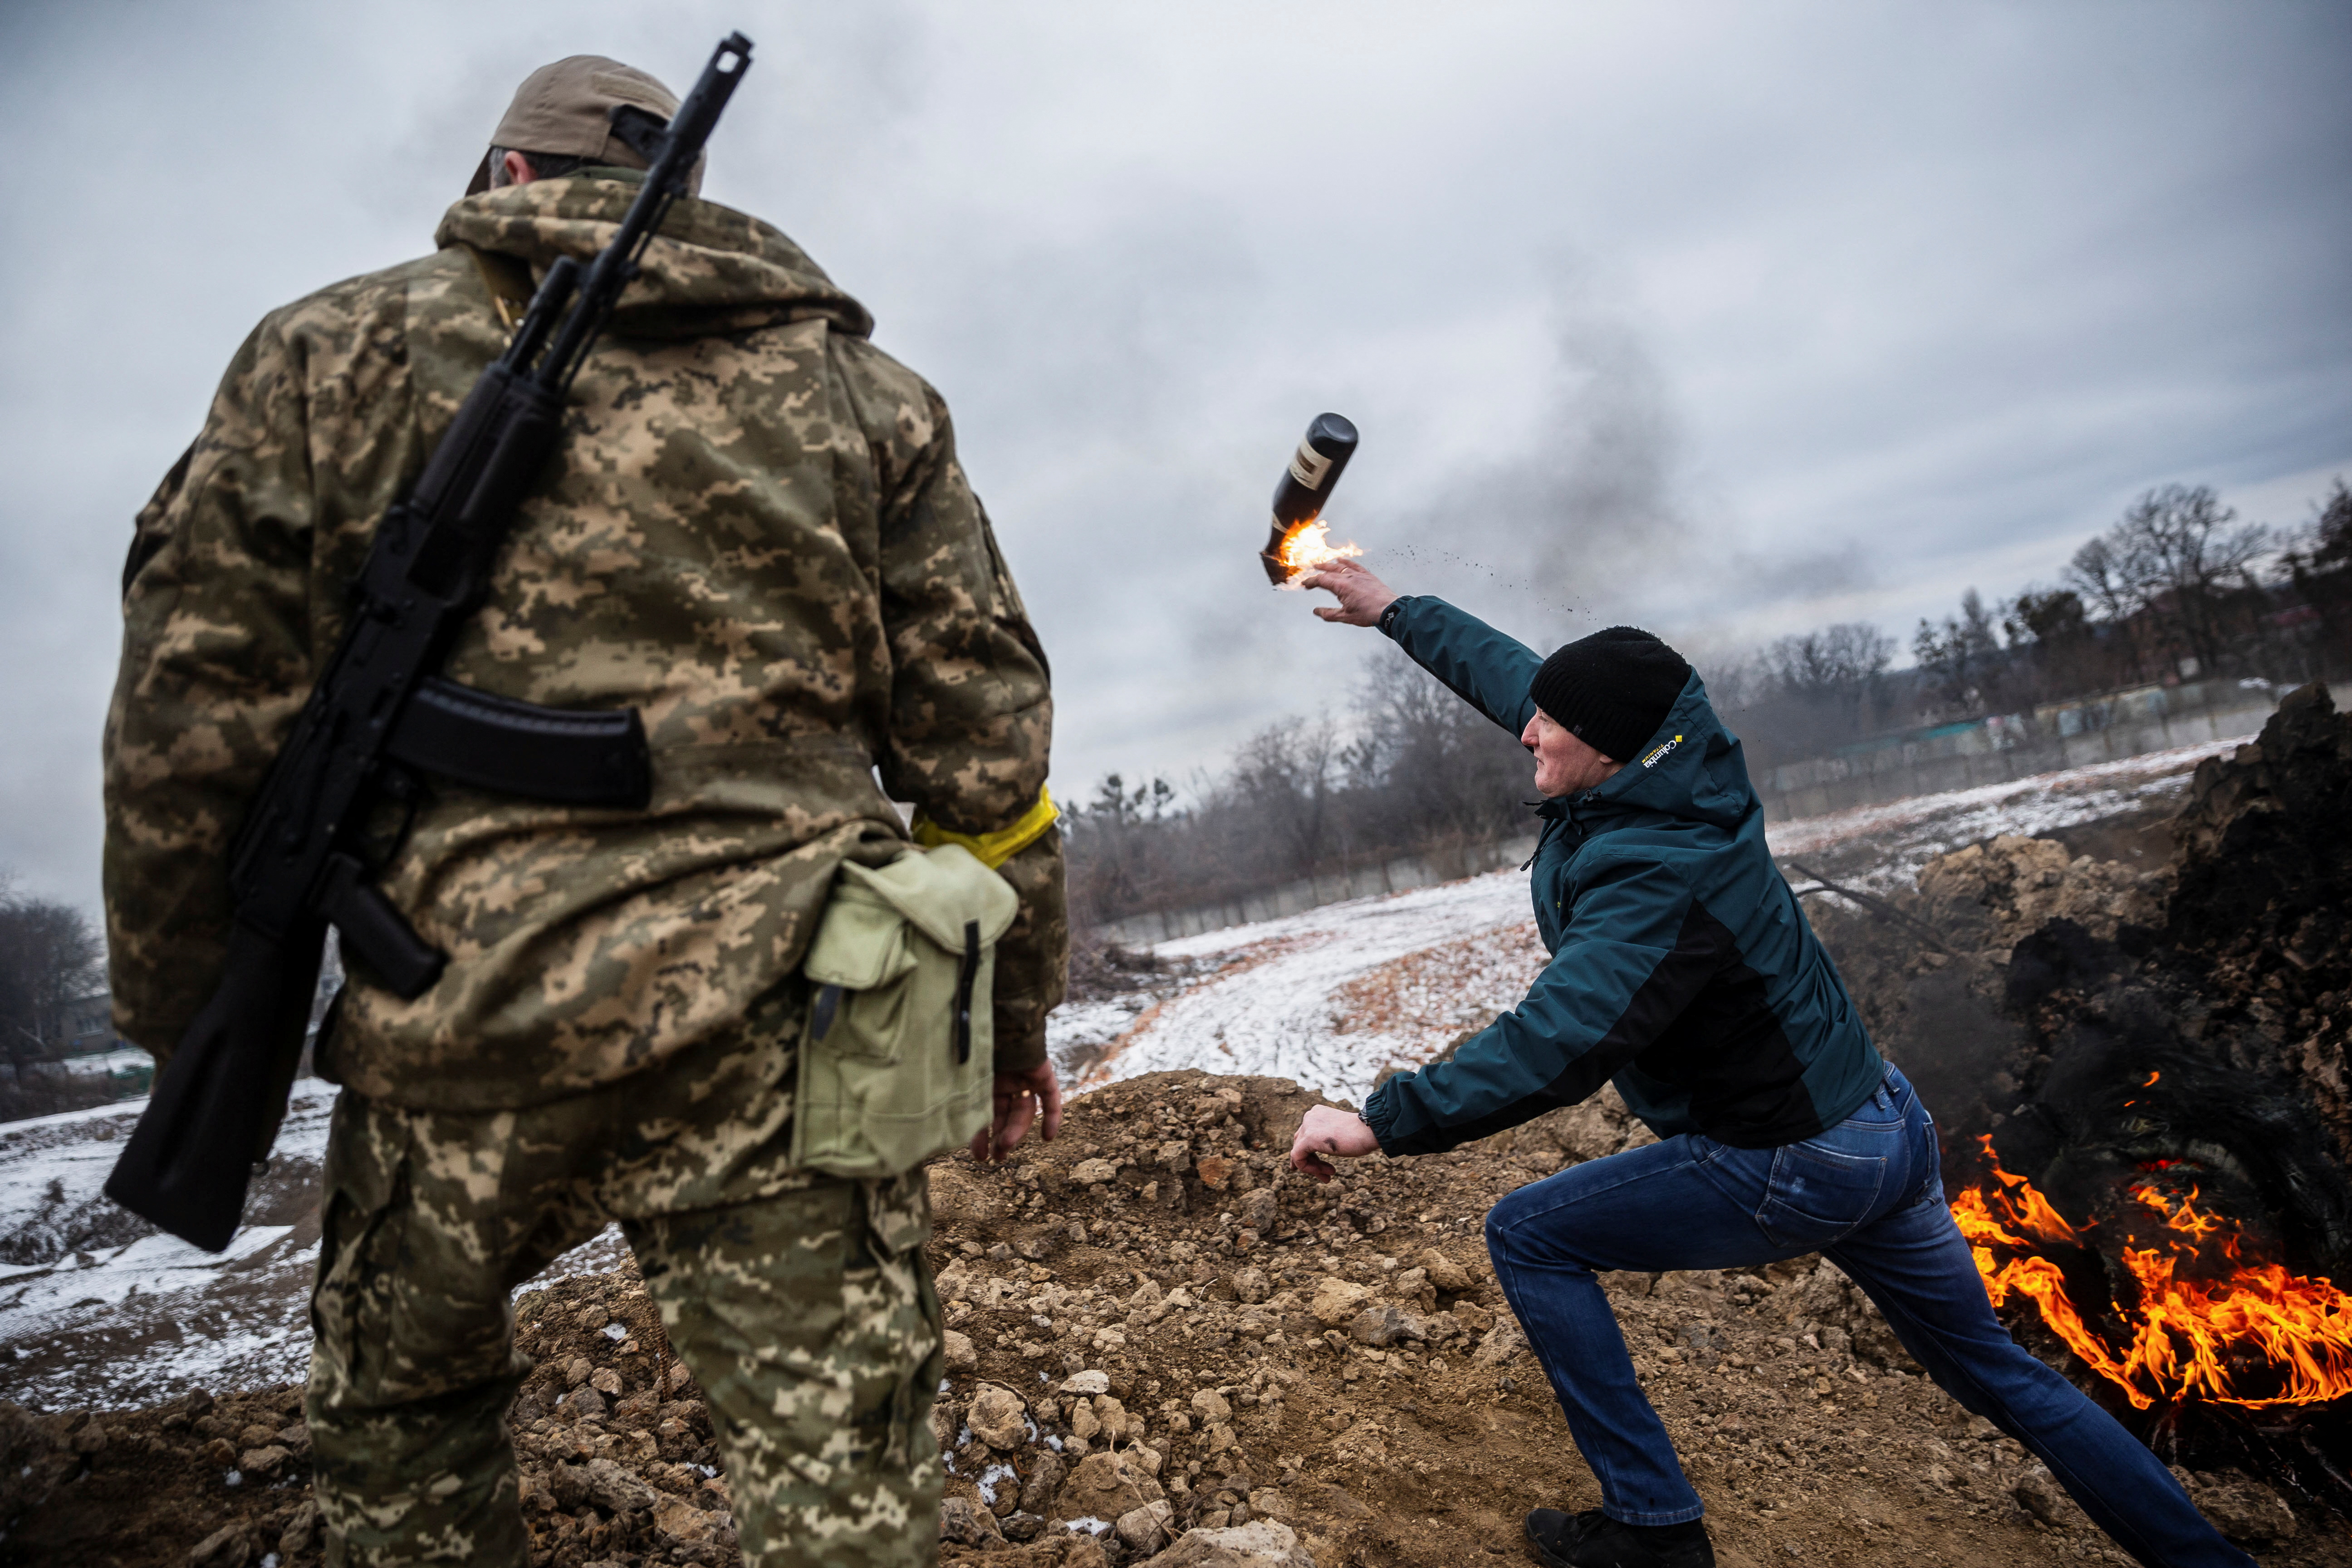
(379, 718)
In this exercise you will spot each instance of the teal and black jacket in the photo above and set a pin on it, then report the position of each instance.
(1682, 967)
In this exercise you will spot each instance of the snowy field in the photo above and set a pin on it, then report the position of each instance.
(1332, 996)
(1885, 846)
(97, 1310)
(122, 1060)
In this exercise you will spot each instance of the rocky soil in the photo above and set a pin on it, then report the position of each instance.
(1163, 1346)
(1166, 1348)
(2262, 924)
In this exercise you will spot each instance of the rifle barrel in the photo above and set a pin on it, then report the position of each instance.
(689, 129)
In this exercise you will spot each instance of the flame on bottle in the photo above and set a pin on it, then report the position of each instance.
(1307, 546)
(2256, 1337)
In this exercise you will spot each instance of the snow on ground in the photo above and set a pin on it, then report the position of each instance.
(52, 1167)
(1331, 997)
(98, 1309)
(122, 1060)
(1900, 837)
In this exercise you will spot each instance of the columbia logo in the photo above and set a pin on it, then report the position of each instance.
(1652, 759)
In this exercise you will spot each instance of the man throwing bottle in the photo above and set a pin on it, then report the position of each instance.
(1683, 970)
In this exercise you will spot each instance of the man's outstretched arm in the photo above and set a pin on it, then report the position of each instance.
(1639, 947)
(1478, 663)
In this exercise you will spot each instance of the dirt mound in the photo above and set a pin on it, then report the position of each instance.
(2017, 885)
(2031, 993)
(1164, 1344)
(2016, 955)
(2241, 986)
(2263, 848)
(230, 1475)
(617, 1451)
(2261, 922)
(2204, 1048)
(1930, 968)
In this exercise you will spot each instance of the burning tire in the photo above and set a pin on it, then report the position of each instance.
(2169, 1199)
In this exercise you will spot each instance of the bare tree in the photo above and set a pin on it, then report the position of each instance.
(1446, 772)
(2098, 573)
(1420, 771)
(1288, 774)
(1961, 658)
(2054, 650)
(1119, 843)
(2318, 562)
(2331, 531)
(1831, 662)
(1736, 681)
(51, 957)
(2171, 563)
(1807, 691)
(1835, 667)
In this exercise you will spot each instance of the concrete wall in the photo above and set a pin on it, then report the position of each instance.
(2009, 746)
(1296, 897)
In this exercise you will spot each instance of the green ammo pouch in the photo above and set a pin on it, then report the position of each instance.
(899, 1058)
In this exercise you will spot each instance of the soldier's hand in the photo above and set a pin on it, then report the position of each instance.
(1329, 1131)
(1361, 596)
(1021, 1099)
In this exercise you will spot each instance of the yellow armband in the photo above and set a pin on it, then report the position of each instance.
(994, 849)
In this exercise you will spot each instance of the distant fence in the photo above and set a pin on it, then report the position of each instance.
(1313, 892)
(2007, 746)
(1995, 750)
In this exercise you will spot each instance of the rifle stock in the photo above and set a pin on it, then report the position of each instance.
(216, 1104)
(298, 864)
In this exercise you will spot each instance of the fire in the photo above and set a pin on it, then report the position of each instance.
(2198, 1225)
(1307, 546)
(2256, 1337)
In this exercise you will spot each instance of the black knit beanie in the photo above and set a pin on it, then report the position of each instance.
(1612, 690)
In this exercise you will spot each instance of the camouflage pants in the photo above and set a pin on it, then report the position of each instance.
(800, 1302)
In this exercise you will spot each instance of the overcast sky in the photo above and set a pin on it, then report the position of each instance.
(1735, 318)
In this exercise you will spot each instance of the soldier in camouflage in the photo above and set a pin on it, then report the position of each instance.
(756, 531)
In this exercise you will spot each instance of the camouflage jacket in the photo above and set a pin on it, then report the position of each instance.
(756, 531)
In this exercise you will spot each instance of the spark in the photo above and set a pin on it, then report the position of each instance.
(1307, 546)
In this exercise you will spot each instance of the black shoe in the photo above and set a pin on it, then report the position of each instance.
(1594, 1540)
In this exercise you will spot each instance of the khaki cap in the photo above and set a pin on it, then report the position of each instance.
(565, 108)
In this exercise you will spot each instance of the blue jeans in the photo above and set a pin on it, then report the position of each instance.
(1869, 1195)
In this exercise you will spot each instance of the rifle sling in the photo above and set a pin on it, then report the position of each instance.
(569, 757)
